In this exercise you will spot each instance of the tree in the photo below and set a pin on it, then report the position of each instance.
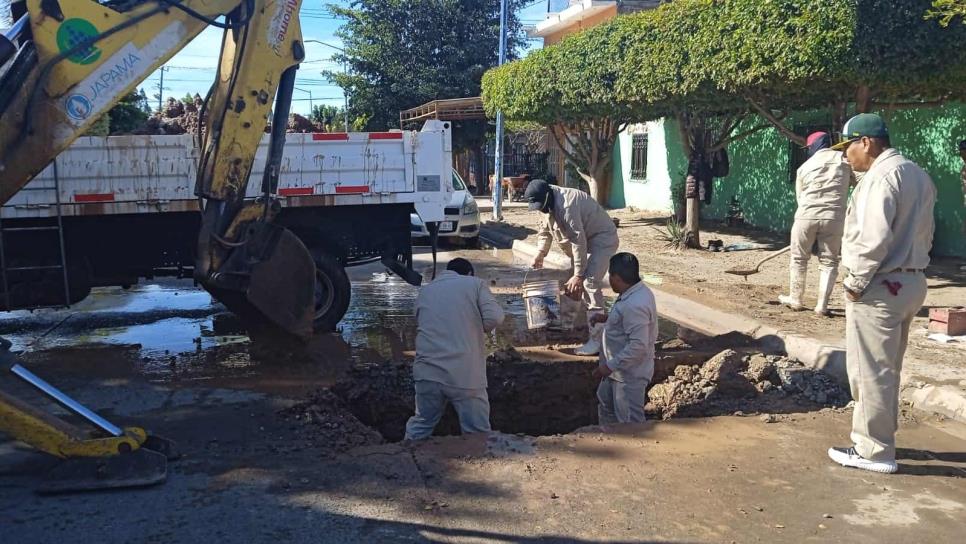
(568, 88)
(728, 68)
(331, 117)
(947, 10)
(129, 114)
(403, 53)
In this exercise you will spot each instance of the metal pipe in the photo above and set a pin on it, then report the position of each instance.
(66, 401)
(13, 33)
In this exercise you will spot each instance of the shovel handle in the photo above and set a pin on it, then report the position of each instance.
(772, 256)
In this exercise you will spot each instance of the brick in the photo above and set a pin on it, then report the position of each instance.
(951, 321)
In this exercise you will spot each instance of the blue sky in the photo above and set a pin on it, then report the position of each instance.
(192, 70)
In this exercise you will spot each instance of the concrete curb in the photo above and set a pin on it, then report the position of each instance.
(947, 400)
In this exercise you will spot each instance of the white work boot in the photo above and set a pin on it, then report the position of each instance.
(796, 287)
(592, 347)
(826, 282)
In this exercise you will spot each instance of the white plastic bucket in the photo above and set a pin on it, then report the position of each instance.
(542, 299)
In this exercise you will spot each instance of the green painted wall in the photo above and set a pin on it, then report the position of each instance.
(618, 174)
(760, 178)
(930, 137)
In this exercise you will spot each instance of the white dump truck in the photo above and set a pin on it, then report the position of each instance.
(109, 211)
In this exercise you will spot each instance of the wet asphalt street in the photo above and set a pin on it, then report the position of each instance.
(165, 357)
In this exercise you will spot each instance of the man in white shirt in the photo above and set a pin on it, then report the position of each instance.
(888, 234)
(627, 356)
(453, 314)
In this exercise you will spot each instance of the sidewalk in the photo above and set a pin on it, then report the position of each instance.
(694, 291)
(485, 204)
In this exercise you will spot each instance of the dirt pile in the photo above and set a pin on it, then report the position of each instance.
(176, 117)
(731, 382)
(180, 117)
(324, 421)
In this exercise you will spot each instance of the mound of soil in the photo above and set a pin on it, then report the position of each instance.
(734, 382)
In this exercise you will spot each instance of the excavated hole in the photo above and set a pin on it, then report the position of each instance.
(525, 397)
(704, 378)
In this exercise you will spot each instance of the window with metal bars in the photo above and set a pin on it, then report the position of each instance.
(639, 157)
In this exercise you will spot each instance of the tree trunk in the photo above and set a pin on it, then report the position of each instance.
(692, 229)
(598, 181)
(863, 99)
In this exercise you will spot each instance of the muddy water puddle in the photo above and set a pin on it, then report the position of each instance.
(173, 331)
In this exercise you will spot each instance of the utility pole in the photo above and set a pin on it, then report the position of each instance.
(311, 103)
(497, 189)
(345, 71)
(161, 88)
(345, 94)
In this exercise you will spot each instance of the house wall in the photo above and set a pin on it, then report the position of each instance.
(654, 193)
(590, 22)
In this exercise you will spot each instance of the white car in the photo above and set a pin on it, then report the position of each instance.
(461, 221)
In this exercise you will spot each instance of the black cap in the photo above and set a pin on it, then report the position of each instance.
(537, 193)
(962, 145)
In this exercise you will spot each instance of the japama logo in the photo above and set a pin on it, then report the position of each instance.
(73, 32)
(280, 23)
(80, 105)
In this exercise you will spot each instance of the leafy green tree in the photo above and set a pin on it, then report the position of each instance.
(129, 114)
(101, 127)
(727, 68)
(142, 102)
(947, 10)
(403, 53)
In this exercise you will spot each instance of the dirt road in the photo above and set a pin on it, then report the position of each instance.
(165, 357)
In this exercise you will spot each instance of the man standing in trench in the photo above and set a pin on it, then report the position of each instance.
(888, 234)
(821, 189)
(453, 314)
(627, 357)
(587, 235)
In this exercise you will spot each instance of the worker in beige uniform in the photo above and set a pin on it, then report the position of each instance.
(453, 315)
(627, 355)
(587, 235)
(888, 234)
(821, 189)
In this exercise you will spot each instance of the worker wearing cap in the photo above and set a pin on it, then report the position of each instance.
(587, 235)
(453, 314)
(888, 234)
(821, 189)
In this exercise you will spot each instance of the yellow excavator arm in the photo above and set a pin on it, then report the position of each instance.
(65, 63)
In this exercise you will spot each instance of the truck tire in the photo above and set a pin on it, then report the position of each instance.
(332, 293)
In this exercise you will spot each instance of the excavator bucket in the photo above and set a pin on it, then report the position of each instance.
(139, 468)
(280, 287)
(128, 457)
